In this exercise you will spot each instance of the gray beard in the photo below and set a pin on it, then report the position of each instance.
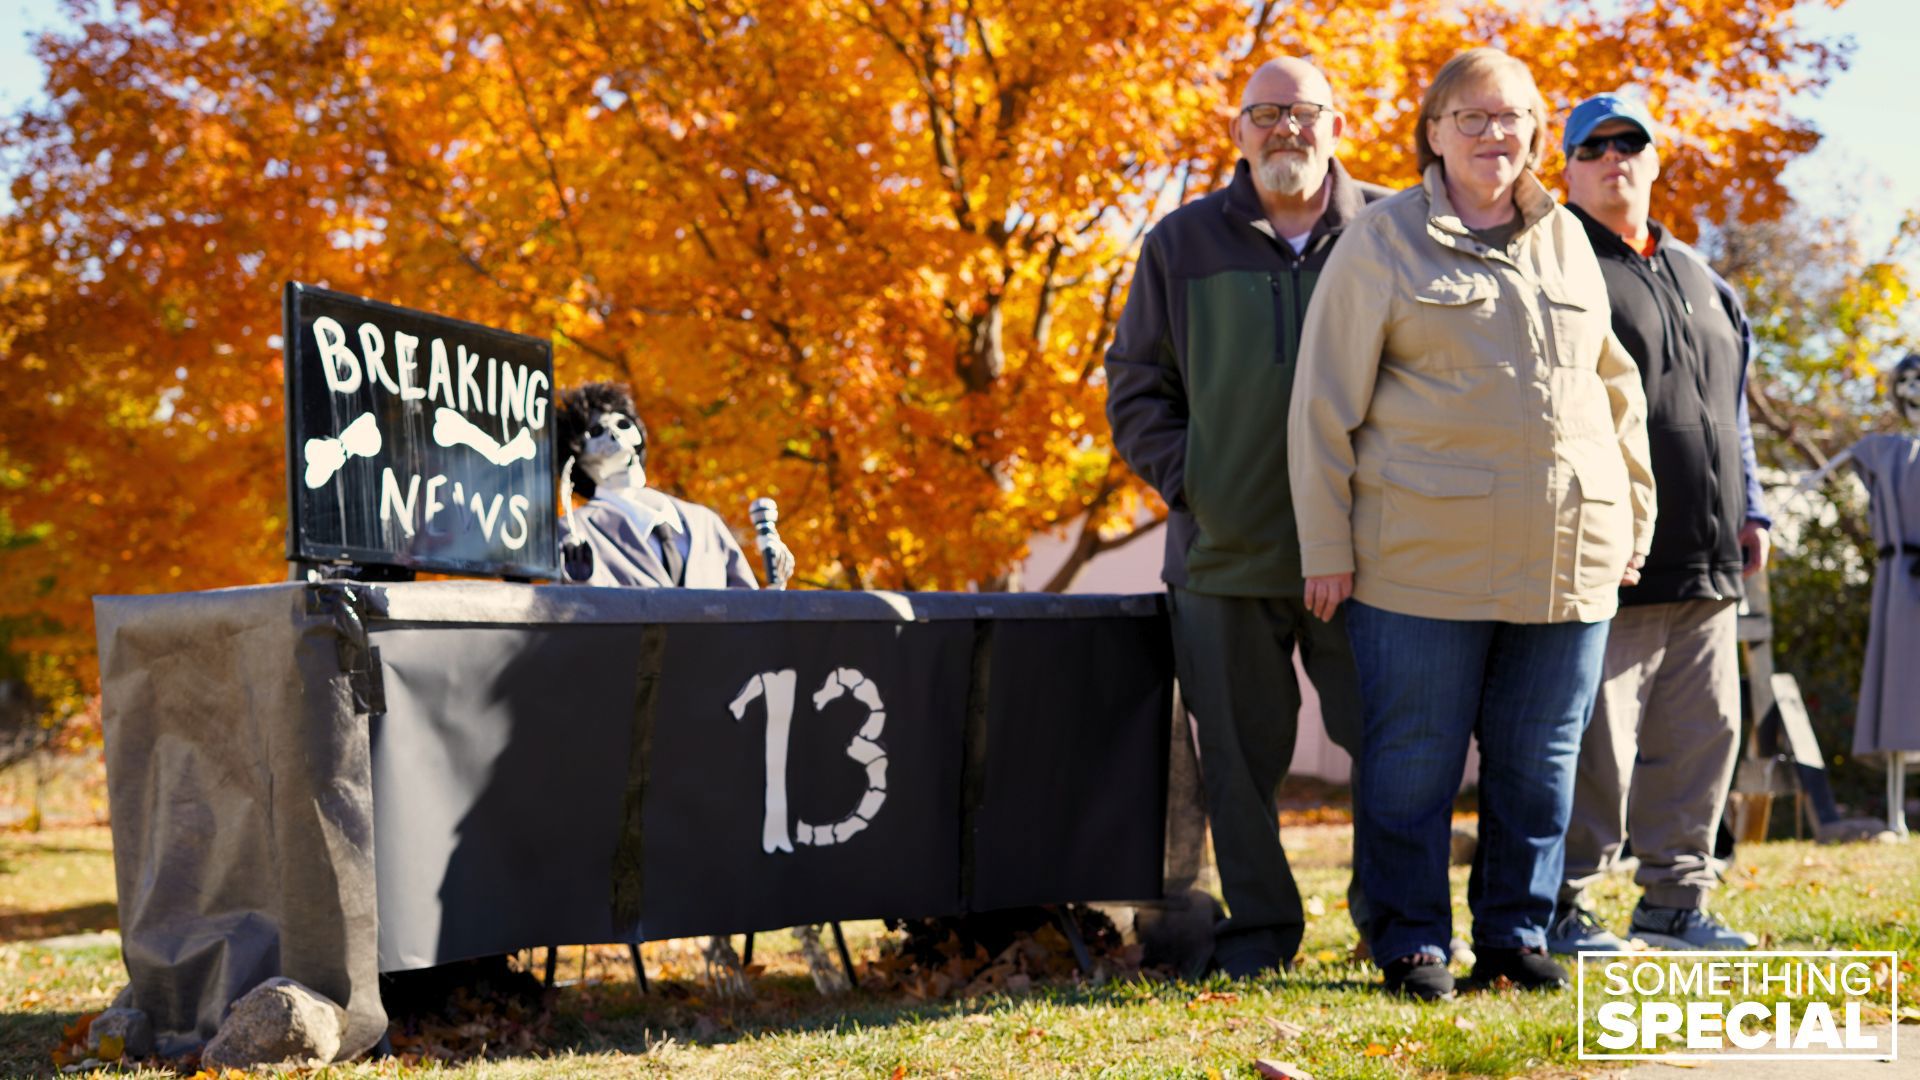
(1282, 176)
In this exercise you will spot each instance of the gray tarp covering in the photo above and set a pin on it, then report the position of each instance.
(240, 786)
(503, 741)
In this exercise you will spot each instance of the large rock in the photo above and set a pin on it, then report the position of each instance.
(130, 1026)
(277, 1022)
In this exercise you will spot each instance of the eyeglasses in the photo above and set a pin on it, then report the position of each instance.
(1302, 114)
(1628, 143)
(1473, 122)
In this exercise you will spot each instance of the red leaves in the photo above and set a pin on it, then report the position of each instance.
(73, 1042)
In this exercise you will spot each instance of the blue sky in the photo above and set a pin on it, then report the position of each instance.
(1868, 114)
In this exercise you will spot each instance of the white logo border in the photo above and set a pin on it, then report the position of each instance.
(1580, 1003)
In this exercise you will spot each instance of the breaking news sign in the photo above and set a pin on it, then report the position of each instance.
(415, 440)
(1807, 1005)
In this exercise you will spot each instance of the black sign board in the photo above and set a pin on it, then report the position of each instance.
(415, 440)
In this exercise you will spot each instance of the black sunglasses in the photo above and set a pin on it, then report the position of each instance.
(1628, 143)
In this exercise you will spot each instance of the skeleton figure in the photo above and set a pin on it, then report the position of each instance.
(633, 535)
(1888, 719)
(1906, 389)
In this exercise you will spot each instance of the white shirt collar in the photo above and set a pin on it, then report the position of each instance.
(645, 508)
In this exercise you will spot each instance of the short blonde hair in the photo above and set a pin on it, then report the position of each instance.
(1473, 68)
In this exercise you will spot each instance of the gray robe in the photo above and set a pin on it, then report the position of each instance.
(622, 556)
(1889, 714)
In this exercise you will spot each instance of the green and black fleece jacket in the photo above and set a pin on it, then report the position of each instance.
(1199, 375)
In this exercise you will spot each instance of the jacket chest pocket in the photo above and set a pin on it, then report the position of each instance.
(1460, 322)
(1574, 325)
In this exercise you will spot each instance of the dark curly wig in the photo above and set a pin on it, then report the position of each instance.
(1907, 363)
(576, 409)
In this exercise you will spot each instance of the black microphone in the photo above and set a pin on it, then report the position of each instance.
(765, 517)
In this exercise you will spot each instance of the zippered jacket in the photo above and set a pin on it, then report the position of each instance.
(1199, 375)
(1685, 329)
(1468, 438)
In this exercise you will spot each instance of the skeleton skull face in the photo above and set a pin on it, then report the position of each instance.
(1906, 388)
(612, 447)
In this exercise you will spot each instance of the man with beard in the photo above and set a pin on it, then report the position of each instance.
(1198, 378)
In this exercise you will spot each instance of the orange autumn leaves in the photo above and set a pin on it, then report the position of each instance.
(856, 255)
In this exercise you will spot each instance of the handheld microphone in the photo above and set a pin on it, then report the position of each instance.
(765, 517)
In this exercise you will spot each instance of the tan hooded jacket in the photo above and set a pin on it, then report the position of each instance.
(1466, 435)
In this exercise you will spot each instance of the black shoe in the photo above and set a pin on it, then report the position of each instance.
(1248, 962)
(1526, 968)
(1421, 976)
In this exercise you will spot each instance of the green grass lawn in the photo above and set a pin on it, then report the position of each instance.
(1327, 1017)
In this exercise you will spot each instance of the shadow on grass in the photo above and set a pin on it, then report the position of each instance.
(33, 925)
(28, 1039)
(616, 1017)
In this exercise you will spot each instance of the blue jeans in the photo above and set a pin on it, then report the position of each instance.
(1427, 685)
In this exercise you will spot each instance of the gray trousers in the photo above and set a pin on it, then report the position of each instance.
(1234, 658)
(1659, 753)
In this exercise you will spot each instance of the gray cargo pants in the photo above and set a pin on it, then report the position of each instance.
(1660, 752)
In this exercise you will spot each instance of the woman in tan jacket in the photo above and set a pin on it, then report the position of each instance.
(1468, 458)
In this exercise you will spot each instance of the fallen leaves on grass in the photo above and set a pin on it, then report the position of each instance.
(471, 1026)
(1001, 952)
(1225, 997)
(1285, 1031)
(73, 1042)
(1294, 817)
(1280, 1070)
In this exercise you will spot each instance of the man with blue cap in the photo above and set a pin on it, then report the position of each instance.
(1660, 751)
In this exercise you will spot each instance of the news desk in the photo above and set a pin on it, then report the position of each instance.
(328, 781)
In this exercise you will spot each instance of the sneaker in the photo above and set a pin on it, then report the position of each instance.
(1576, 930)
(1685, 928)
(1526, 968)
(1421, 976)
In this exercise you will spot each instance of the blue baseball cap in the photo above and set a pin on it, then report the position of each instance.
(1599, 109)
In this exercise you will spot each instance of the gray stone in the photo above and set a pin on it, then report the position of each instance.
(277, 1022)
(130, 1026)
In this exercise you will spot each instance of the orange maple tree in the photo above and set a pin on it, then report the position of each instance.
(859, 255)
